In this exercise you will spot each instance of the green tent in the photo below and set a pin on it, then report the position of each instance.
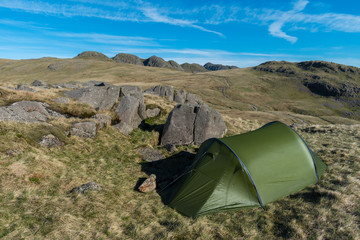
(245, 170)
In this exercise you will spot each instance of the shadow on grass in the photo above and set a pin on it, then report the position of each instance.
(313, 196)
(166, 171)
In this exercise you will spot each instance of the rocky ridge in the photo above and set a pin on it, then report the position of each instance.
(153, 61)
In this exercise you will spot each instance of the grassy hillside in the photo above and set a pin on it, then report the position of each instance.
(254, 94)
(35, 181)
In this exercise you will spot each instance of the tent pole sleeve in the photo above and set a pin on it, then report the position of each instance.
(317, 177)
(246, 170)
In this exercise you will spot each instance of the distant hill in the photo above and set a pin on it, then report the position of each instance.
(175, 65)
(154, 61)
(215, 67)
(193, 67)
(92, 55)
(127, 58)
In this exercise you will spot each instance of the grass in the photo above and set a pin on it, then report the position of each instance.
(35, 182)
(36, 203)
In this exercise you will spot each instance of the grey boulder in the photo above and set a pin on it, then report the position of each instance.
(84, 129)
(179, 126)
(191, 124)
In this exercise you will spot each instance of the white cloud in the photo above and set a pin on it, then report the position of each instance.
(326, 22)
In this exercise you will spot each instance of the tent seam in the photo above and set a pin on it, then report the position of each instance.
(315, 168)
(246, 170)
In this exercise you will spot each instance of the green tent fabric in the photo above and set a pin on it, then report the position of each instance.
(245, 170)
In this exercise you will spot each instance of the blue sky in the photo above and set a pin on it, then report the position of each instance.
(242, 33)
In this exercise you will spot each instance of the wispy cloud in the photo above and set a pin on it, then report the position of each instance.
(138, 11)
(108, 39)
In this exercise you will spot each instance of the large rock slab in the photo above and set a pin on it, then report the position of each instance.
(98, 97)
(192, 124)
(27, 111)
(128, 111)
(131, 109)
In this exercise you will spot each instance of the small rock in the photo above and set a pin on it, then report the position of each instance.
(124, 128)
(170, 148)
(50, 141)
(63, 100)
(153, 112)
(13, 152)
(150, 154)
(149, 184)
(83, 189)
(38, 83)
(103, 120)
(23, 87)
(84, 129)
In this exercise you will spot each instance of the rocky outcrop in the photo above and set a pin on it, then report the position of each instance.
(187, 124)
(85, 188)
(179, 96)
(98, 97)
(149, 184)
(328, 89)
(27, 111)
(328, 67)
(216, 67)
(127, 58)
(193, 67)
(50, 141)
(84, 129)
(92, 55)
(163, 91)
